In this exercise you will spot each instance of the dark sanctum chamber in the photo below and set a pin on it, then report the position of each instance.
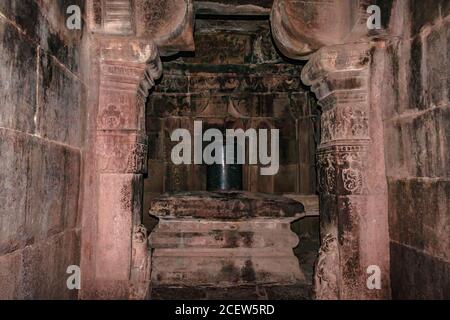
(235, 79)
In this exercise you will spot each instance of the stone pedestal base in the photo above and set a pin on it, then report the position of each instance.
(224, 250)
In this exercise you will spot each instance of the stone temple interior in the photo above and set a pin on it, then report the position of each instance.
(93, 91)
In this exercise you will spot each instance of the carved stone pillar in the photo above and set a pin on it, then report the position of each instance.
(128, 69)
(126, 38)
(353, 196)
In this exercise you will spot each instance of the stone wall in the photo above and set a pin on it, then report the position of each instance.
(41, 137)
(417, 130)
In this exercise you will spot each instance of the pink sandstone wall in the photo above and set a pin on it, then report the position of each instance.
(416, 117)
(41, 134)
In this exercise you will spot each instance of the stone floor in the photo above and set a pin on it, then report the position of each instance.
(267, 292)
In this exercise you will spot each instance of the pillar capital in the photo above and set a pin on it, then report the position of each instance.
(354, 58)
(129, 65)
(340, 78)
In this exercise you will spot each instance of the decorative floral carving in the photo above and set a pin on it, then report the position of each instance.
(111, 118)
(352, 177)
(153, 13)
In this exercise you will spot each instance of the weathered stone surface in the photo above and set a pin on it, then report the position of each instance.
(116, 221)
(419, 218)
(169, 23)
(422, 137)
(42, 202)
(44, 22)
(416, 146)
(45, 266)
(226, 238)
(225, 205)
(190, 251)
(128, 70)
(224, 267)
(39, 271)
(239, 7)
(17, 58)
(225, 85)
(14, 149)
(423, 14)
(300, 28)
(40, 141)
(61, 104)
(437, 61)
(416, 87)
(121, 152)
(52, 190)
(349, 159)
(417, 275)
(11, 269)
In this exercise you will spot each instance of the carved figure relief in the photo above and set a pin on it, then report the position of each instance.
(326, 269)
(327, 172)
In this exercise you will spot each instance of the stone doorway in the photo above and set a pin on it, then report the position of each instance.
(236, 78)
(350, 161)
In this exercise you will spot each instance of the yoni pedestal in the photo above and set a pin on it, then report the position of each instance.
(224, 239)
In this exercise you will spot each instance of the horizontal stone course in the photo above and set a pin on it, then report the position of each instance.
(422, 137)
(61, 103)
(226, 205)
(17, 84)
(39, 271)
(41, 135)
(419, 218)
(40, 186)
(44, 24)
(416, 131)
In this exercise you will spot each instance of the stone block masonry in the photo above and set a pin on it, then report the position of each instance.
(416, 121)
(41, 137)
